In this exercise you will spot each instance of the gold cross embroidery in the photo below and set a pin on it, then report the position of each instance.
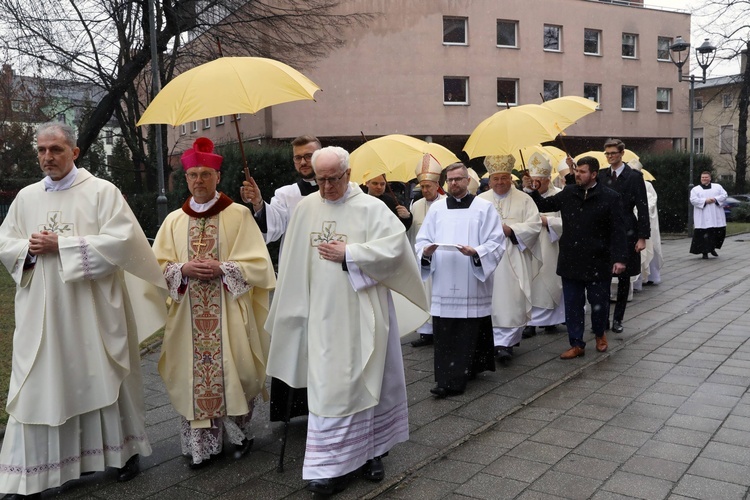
(535, 162)
(200, 243)
(327, 234)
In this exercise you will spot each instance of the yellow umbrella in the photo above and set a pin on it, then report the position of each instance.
(227, 86)
(509, 130)
(396, 156)
(603, 163)
(571, 107)
(647, 176)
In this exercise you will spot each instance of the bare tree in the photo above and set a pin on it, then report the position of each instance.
(106, 43)
(728, 23)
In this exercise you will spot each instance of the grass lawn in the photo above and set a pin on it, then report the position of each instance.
(737, 228)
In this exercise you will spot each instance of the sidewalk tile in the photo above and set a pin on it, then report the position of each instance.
(569, 485)
(655, 467)
(604, 450)
(516, 468)
(721, 471)
(669, 451)
(638, 486)
(539, 452)
(579, 465)
(701, 487)
(489, 487)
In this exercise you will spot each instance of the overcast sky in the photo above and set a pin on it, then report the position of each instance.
(718, 68)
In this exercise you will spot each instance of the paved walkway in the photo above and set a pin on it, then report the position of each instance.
(663, 414)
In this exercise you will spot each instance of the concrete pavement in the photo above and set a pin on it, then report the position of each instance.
(663, 414)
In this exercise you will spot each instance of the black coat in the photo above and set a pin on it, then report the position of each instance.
(593, 236)
(632, 189)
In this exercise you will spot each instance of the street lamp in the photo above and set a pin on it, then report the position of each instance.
(705, 55)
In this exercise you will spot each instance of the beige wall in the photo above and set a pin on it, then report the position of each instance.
(711, 119)
(389, 78)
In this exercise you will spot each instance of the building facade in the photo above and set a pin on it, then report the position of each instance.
(435, 69)
(717, 121)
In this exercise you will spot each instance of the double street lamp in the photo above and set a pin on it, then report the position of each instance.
(705, 56)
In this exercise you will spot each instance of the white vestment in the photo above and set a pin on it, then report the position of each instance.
(331, 329)
(419, 211)
(710, 215)
(651, 256)
(461, 289)
(547, 304)
(511, 297)
(76, 393)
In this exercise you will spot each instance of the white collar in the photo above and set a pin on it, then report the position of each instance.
(202, 207)
(340, 200)
(63, 184)
(619, 170)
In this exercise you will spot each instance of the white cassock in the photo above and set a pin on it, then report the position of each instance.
(547, 304)
(336, 332)
(651, 256)
(76, 392)
(419, 211)
(511, 298)
(709, 215)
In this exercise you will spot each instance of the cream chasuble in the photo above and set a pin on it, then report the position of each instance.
(74, 311)
(511, 298)
(214, 353)
(546, 285)
(325, 336)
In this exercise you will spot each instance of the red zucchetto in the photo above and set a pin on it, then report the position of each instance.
(201, 155)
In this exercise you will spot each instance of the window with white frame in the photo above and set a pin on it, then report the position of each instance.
(629, 45)
(183, 129)
(629, 98)
(507, 33)
(454, 30)
(552, 90)
(726, 139)
(726, 100)
(552, 38)
(109, 136)
(219, 120)
(592, 42)
(698, 141)
(593, 91)
(206, 123)
(456, 90)
(663, 100)
(698, 103)
(662, 48)
(507, 92)
(194, 127)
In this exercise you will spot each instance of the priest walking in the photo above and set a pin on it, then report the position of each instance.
(81, 264)
(708, 215)
(215, 349)
(333, 325)
(459, 246)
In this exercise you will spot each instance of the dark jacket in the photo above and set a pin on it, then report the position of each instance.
(632, 189)
(593, 236)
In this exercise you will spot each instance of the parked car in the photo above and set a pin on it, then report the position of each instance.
(745, 198)
(728, 205)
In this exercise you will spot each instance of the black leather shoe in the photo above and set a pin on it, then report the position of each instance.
(131, 469)
(329, 486)
(713, 252)
(617, 326)
(705, 256)
(240, 450)
(203, 463)
(17, 496)
(422, 341)
(528, 332)
(373, 470)
(444, 392)
(503, 354)
(550, 329)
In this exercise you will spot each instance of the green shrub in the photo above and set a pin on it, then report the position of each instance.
(741, 213)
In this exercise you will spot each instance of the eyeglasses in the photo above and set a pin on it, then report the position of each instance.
(203, 175)
(298, 158)
(331, 180)
(455, 179)
(612, 153)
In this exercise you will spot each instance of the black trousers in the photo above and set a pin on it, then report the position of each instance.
(463, 347)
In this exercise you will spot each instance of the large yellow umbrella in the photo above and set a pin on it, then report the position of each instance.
(572, 107)
(227, 86)
(396, 156)
(510, 130)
